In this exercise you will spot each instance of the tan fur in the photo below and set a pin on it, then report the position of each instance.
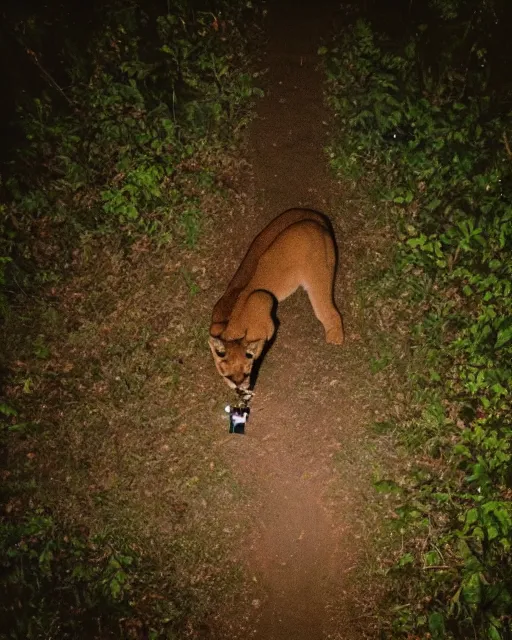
(296, 249)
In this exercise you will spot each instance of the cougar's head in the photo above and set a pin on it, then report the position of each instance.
(236, 344)
(234, 359)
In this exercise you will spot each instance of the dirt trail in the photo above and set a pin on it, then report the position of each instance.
(287, 138)
(304, 448)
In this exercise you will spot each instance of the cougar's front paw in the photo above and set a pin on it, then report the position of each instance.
(335, 335)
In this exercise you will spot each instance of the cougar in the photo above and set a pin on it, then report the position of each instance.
(296, 249)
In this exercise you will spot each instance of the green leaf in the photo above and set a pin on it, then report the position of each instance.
(431, 558)
(471, 516)
(436, 625)
(417, 242)
(115, 588)
(433, 204)
(472, 590)
(406, 559)
(386, 486)
(493, 633)
(7, 410)
(504, 336)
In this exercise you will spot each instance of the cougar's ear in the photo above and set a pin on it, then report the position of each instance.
(217, 328)
(253, 349)
(217, 346)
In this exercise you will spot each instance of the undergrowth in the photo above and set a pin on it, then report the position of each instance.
(63, 582)
(117, 134)
(121, 137)
(425, 118)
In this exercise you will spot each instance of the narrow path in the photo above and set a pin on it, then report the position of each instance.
(288, 136)
(304, 449)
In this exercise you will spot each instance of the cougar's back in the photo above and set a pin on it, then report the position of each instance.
(224, 307)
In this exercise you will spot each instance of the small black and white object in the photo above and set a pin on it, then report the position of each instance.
(237, 418)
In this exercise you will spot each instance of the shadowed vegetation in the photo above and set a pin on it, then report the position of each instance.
(423, 100)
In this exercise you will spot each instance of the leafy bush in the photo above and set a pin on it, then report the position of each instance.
(69, 584)
(428, 117)
(120, 139)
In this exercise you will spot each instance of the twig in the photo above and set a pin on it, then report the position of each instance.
(507, 145)
(50, 79)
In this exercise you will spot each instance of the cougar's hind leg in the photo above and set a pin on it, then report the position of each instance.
(320, 290)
